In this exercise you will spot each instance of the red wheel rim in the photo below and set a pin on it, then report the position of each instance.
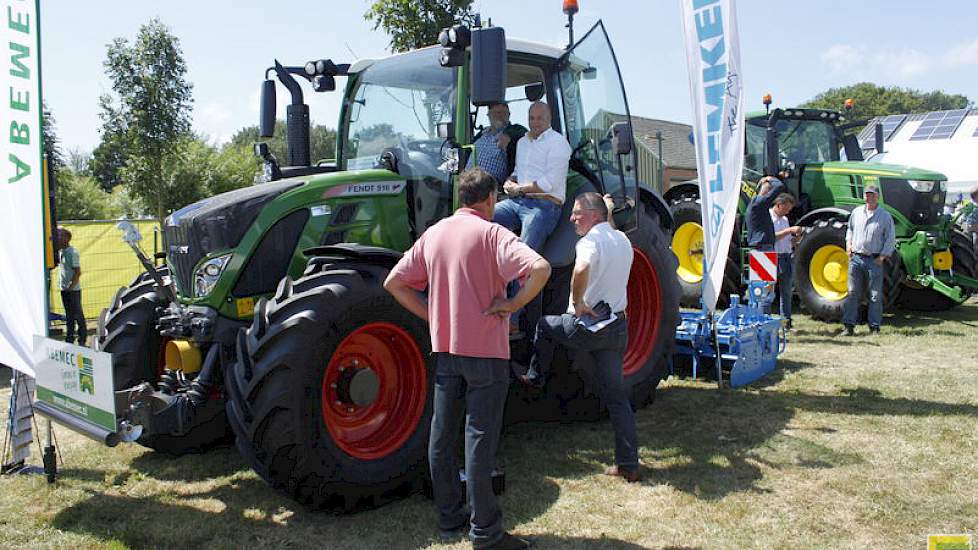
(644, 297)
(388, 356)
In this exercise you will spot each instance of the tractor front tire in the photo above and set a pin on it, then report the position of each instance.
(130, 333)
(331, 393)
(687, 246)
(131, 336)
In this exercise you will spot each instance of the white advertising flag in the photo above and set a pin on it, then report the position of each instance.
(23, 307)
(713, 58)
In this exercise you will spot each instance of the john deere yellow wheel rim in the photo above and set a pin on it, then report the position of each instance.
(687, 245)
(829, 272)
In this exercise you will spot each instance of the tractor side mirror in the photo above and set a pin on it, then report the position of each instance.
(621, 138)
(850, 143)
(266, 118)
(772, 160)
(488, 66)
(534, 91)
(444, 129)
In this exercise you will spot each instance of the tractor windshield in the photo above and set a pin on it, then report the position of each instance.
(799, 142)
(397, 104)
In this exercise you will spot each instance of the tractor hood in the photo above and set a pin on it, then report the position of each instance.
(880, 170)
(215, 223)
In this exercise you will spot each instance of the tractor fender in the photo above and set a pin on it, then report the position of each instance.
(655, 201)
(829, 213)
(371, 254)
(680, 190)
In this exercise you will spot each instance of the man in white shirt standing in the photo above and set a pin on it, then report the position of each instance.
(601, 268)
(784, 244)
(537, 187)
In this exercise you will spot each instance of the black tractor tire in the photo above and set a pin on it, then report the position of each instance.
(915, 298)
(135, 343)
(832, 232)
(290, 395)
(823, 233)
(653, 308)
(687, 209)
(130, 332)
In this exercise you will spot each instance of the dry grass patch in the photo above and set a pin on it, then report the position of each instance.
(864, 442)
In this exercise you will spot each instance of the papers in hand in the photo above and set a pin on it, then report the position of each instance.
(602, 317)
(595, 325)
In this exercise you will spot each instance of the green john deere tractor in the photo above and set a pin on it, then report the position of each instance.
(270, 319)
(935, 267)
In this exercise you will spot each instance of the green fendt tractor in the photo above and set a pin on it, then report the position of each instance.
(270, 318)
(935, 266)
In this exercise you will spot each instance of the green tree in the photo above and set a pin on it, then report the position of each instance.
(322, 141)
(148, 77)
(416, 23)
(52, 147)
(233, 167)
(109, 157)
(81, 198)
(872, 100)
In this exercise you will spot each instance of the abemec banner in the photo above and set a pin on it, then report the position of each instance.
(713, 58)
(75, 380)
(23, 307)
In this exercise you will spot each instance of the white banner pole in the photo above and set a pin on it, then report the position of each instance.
(715, 83)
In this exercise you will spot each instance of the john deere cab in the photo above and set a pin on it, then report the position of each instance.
(935, 266)
(269, 320)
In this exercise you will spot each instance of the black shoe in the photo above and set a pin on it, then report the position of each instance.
(849, 331)
(454, 533)
(509, 542)
(874, 330)
(787, 323)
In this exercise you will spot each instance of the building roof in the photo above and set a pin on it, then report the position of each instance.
(677, 151)
(943, 141)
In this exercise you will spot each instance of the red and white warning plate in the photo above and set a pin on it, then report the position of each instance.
(763, 266)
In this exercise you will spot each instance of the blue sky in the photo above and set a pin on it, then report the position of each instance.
(790, 48)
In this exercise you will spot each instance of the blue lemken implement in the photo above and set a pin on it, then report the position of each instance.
(746, 339)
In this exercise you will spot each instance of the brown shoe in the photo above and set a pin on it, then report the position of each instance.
(509, 542)
(630, 476)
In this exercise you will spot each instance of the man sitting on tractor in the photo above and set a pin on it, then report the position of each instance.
(496, 145)
(537, 187)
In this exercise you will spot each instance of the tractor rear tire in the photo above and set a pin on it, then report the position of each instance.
(822, 272)
(331, 393)
(653, 308)
(687, 221)
(965, 263)
(136, 346)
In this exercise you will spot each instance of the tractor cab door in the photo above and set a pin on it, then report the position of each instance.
(597, 121)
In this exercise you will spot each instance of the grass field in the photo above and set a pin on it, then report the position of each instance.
(864, 442)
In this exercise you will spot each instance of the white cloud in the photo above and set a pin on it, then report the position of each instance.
(871, 62)
(962, 54)
(846, 59)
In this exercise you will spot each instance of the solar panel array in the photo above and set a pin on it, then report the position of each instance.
(939, 125)
(890, 125)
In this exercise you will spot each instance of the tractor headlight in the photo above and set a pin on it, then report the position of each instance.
(207, 275)
(921, 186)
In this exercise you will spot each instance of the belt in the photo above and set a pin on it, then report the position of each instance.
(865, 255)
(544, 196)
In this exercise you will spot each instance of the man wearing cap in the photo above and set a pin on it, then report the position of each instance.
(870, 241)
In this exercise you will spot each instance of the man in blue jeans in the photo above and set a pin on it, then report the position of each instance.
(537, 188)
(536, 191)
(603, 261)
(870, 241)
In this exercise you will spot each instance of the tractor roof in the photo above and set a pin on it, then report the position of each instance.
(512, 44)
(801, 113)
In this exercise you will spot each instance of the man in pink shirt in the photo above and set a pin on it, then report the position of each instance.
(465, 262)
